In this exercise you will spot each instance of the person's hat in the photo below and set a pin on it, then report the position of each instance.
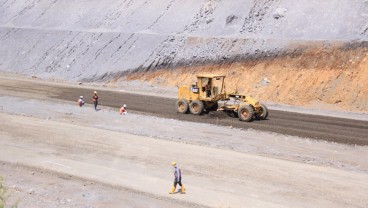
(173, 163)
(95, 92)
(124, 106)
(81, 97)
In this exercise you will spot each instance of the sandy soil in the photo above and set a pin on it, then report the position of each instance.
(315, 75)
(55, 154)
(38, 187)
(222, 167)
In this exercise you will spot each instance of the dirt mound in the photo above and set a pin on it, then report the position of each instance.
(310, 74)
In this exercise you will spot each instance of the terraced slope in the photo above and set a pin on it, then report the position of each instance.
(280, 40)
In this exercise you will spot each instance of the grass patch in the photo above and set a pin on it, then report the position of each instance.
(3, 195)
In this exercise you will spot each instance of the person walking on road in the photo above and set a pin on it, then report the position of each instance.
(95, 100)
(177, 180)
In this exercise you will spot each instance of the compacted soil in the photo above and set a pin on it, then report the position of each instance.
(326, 128)
(56, 154)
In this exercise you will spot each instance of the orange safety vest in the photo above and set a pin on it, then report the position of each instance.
(122, 110)
(95, 98)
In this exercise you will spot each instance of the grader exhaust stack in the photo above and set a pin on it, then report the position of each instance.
(205, 95)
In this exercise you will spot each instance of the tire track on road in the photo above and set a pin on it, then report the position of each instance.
(326, 128)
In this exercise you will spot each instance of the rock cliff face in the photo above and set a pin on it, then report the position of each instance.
(286, 41)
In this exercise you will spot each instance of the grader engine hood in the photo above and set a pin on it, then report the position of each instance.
(188, 92)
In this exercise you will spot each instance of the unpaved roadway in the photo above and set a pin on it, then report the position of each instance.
(213, 177)
(56, 154)
(303, 125)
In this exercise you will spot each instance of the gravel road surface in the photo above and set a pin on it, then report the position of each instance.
(333, 129)
(56, 154)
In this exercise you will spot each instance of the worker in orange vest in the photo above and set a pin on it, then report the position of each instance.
(123, 110)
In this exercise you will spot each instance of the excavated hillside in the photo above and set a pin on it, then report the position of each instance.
(317, 75)
(300, 52)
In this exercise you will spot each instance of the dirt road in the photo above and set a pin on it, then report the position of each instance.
(59, 150)
(311, 126)
(213, 177)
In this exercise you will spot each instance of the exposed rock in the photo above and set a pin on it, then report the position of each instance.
(338, 101)
(230, 19)
(265, 81)
(31, 191)
(279, 12)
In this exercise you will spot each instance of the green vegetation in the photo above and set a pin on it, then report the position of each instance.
(3, 195)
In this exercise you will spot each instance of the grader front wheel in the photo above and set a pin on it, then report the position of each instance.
(245, 113)
(264, 112)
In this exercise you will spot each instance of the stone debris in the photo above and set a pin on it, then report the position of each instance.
(279, 12)
(31, 191)
(230, 19)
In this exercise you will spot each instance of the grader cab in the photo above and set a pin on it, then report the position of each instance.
(209, 94)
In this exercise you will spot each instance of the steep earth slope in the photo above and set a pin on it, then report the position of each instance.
(295, 52)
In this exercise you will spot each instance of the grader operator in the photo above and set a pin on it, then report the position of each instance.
(209, 94)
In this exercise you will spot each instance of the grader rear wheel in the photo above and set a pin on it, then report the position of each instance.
(245, 113)
(196, 107)
(182, 106)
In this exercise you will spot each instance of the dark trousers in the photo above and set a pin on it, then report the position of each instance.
(176, 182)
(95, 102)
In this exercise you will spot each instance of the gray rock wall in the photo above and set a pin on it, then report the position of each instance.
(89, 39)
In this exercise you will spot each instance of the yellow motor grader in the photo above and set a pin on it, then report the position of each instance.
(209, 94)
